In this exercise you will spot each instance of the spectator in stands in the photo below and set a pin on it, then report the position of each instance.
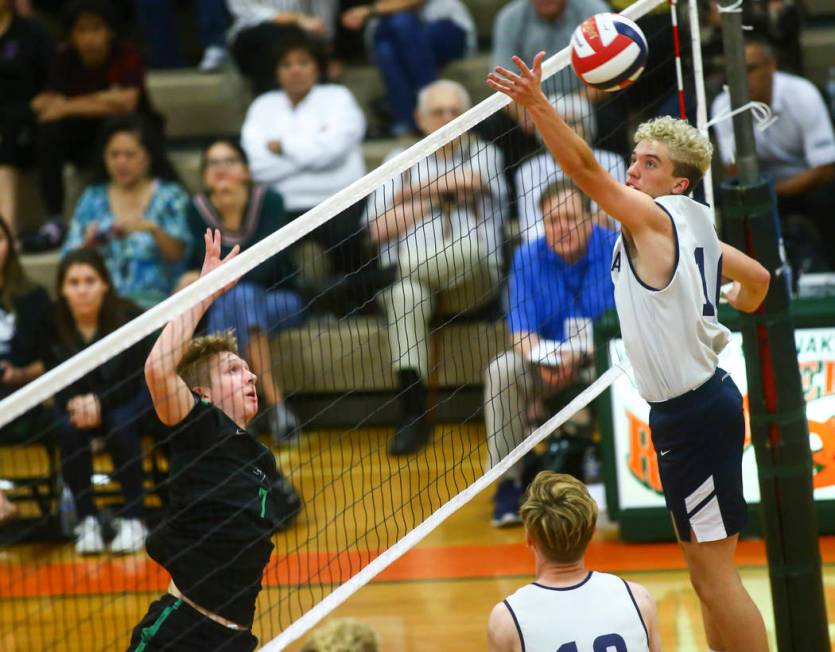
(438, 227)
(261, 29)
(23, 307)
(263, 301)
(25, 51)
(559, 284)
(134, 213)
(568, 603)
(105, 403)
(159, 24)
(411, 41)
(342, 635)
(536, 173)
(304, 141)
(525, 27)
(94, 76)
(797, 151)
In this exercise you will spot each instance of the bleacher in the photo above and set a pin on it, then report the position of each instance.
(198, 107)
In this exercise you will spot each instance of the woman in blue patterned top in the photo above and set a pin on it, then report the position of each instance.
(134, 213)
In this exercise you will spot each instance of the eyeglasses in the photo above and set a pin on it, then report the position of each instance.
(222, 162)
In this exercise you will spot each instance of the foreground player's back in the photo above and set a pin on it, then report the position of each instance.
(672, 334)
(598, 613)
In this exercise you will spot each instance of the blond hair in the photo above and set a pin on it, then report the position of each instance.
(342, 635)
(690, 150)
(560, 515)
(194, 366)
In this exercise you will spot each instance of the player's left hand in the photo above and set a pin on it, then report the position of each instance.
(526, 87)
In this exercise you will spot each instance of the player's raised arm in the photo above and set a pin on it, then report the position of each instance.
(751, 280)
(632, 208)
(172, 397)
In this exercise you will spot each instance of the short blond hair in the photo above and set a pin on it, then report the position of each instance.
(194, 367)
(342, 635)
(560, 516)
(690, 150)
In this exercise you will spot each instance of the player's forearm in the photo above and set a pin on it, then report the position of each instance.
(171, 345)
(750, 296)
(572, 153)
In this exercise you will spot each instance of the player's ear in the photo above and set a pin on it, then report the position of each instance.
(202, 392)
(681, 186)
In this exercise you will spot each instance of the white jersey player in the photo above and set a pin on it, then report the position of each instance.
(665, 256)
(569, 608)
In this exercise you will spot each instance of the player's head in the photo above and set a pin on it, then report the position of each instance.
(567, 219)
(670, 157)
(761, 64)
(212, 368)
(440, 103)
(559, 517)
(342, 635)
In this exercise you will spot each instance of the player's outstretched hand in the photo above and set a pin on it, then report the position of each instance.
(212, 258)
(526, 87)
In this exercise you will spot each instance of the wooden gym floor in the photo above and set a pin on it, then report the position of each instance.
(437, 597)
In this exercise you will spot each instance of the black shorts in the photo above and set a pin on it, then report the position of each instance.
(698, 439)
(172, 625)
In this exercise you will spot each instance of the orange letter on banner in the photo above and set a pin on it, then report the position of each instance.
(823, 461)
(642, 460)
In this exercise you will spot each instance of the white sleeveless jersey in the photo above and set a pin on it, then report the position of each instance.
(598, 614)
(672, 336)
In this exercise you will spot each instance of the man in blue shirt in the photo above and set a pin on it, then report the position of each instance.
(559, 284)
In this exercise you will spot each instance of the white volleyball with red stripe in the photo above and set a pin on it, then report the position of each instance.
(608, 51)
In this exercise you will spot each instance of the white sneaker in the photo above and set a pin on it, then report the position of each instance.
(130, 536)
(90, 541)
(214, 58)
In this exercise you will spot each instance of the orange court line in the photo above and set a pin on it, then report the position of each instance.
(109, 575)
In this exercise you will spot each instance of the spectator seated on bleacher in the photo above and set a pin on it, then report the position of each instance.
(23, 306)
(439, 227)
(95, 75)
(105, 403)
(559, 284)
(536, 173)
(134, 213)
(25, 52)
(265, 300)
(411, 41)
(261, 29)
(158, 18)
(797, 151)
(305, 142)
(523, 28)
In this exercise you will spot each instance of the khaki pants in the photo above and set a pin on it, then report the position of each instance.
(510, 385)
(453, 277)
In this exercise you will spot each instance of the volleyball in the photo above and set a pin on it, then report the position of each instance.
(608, 51)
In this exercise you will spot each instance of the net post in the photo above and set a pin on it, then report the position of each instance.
(777, 407)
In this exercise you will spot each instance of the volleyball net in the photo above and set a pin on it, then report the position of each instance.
(424, 331)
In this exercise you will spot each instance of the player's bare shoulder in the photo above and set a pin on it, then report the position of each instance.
(502, 635)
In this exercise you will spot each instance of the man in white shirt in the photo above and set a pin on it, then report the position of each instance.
(798, 150)
(438, 226)
(569, 607)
